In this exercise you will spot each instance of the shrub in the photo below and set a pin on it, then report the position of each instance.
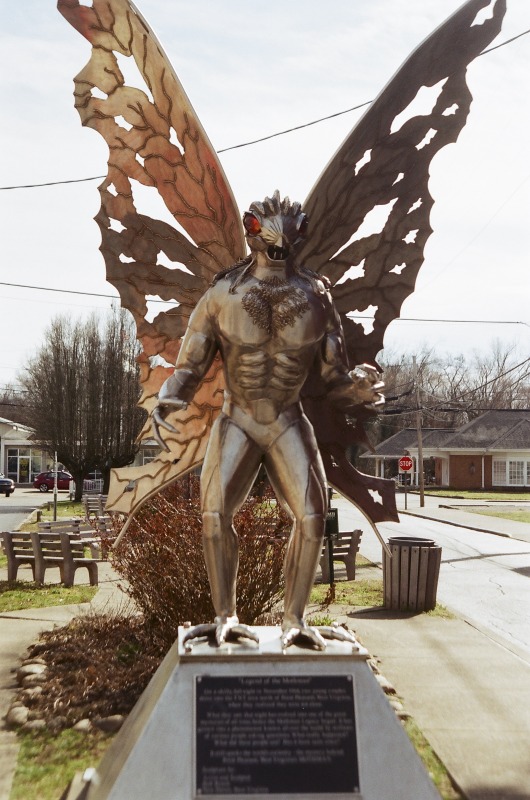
(161, 558)
(98, 664)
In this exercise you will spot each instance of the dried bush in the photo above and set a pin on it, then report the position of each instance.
(161, 558)
(98, 665)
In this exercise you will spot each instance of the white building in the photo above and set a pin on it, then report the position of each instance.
(20, 459)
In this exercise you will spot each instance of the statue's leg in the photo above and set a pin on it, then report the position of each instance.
(230, 467)
(297, 475)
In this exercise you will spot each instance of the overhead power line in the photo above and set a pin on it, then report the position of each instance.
(351, 316)
(253, 141)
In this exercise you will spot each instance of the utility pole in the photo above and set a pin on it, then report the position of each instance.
(421, 481)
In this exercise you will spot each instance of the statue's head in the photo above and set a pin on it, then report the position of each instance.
(274, 226)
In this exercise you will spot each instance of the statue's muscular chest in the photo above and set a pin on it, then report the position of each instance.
(271, 316)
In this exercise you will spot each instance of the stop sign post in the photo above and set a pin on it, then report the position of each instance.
(405, 464)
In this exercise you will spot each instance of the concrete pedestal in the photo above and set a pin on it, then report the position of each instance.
(251, 721)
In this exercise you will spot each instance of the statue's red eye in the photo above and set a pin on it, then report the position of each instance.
(251, 223)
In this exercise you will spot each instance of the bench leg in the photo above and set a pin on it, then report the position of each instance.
(93, 573)
(349, 562)
(67, 575)
(40, 569)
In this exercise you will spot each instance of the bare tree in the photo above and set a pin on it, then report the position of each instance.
(453, 389)
(81, 394)
(12, 405)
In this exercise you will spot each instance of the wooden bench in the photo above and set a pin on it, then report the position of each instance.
(43, 549)
(64, 550)
(345, 548)
(94, 505)
(78, 528)
(19, 550)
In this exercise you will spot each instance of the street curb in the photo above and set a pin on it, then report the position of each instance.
(456, 524)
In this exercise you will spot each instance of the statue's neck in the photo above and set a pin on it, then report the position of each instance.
(264, 268)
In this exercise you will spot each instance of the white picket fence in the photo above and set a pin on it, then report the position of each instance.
(89, 487)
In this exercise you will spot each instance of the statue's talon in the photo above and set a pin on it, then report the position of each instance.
(230, 630)
(244, 632)
(206, 631)
(220, 631)
(338, 634)
(303, 636)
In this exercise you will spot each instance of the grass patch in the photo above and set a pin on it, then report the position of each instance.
(361, 592)
(516, 514)
(48, 762)
(65, 510)
(319, 619)
(441, 612)
(24, 594)
(3, 560)
(486, 496)
(361, 561)
(432, 763)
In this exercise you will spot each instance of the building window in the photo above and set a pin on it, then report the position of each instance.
(511, 472)
(149, 454)
(24, 464)
(499, 473)
(516, 470)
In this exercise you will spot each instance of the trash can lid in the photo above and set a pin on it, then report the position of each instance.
(411, 541)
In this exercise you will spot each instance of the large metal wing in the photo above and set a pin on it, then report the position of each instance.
(379, 176)
(155, 142)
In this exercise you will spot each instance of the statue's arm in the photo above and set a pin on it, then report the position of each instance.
(196, 354)
(346, 389)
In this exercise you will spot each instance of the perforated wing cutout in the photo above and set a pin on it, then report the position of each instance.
(379, 176)
(378, 180)
(156, 143)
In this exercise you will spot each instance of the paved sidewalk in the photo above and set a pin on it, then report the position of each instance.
(453, 512)
(19, 629)
(469, 696)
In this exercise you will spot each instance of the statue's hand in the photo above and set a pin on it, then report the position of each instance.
(167, 401)
(367, 385)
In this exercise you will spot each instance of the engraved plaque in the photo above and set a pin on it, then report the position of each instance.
(275, 735)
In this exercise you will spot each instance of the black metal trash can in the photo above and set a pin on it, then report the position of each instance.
(410, 577)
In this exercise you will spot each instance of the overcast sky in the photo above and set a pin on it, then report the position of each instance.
(252, 70)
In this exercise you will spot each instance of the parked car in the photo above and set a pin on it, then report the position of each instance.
(45, 481)
(7, 486)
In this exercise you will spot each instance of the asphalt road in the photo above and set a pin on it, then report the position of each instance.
(15, 509)
(484, 578)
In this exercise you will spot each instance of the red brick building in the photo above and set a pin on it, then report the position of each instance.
(491, 451)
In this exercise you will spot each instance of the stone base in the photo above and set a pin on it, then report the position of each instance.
(250, 721)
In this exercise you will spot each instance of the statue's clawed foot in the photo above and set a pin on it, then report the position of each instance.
(338, 633)
(224, 629)
(304, 635)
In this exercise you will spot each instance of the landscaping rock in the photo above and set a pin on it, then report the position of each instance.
(83, 726)
(34, 725)
(33, 661)
(29, 669)
(110, 724)
(384, 683)
(17, 716)
(32, 692)
(33, 680)
(56, 724)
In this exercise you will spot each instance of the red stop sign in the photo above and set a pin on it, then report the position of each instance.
(405, 463)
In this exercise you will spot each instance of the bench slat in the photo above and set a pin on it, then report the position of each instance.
(345, 549)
